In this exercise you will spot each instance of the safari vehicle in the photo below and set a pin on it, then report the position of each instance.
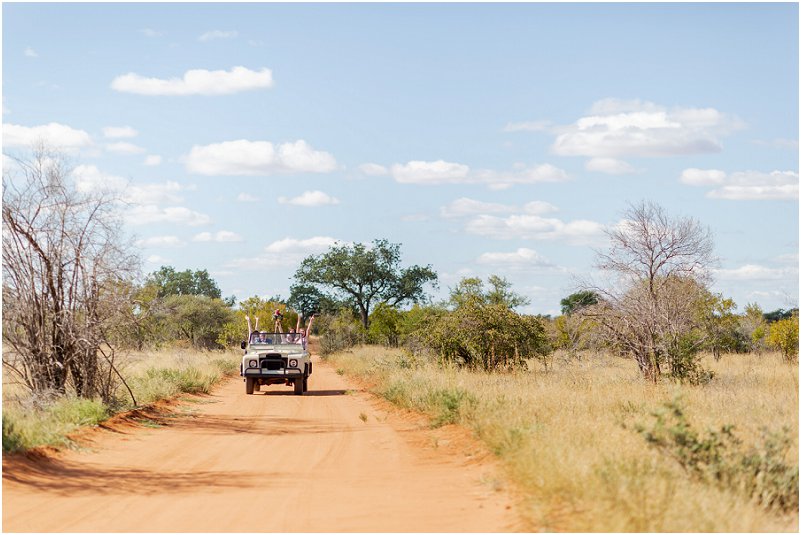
(275, 358)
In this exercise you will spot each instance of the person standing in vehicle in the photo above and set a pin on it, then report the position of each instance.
(303, 333)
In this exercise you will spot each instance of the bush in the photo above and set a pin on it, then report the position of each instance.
(488, 337)
(761, 472)
(784, 337)
(340, 332)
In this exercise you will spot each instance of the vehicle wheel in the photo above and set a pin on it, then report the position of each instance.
(298, 387)
(249, 383)
(306, 384)
(256, 386)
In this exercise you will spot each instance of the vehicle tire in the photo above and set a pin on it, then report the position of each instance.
(298, 387)
(249, 382)
(306, 383)
(256, 386)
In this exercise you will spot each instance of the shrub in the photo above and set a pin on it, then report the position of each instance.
(489, 337)
(784, 337)
(341, 332)
(760, 472)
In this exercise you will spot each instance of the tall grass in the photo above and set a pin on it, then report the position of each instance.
(47, 420)
(567, 436)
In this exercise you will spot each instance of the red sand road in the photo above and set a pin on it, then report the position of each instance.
(269, 462)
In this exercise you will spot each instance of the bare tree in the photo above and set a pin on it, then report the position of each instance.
(64, 269)
(650, 311)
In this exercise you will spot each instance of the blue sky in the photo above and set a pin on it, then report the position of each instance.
(484, 138)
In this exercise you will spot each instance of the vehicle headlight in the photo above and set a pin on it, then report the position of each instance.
(293, 363)
(253, 363)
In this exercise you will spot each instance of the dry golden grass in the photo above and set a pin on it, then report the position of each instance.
(30, 421)
(566, 435)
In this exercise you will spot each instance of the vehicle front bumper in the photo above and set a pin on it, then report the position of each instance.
(286, 373)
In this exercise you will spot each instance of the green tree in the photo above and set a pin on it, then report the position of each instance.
(499, 293)
(197, 319)
(385, 325)
(188, 282)
(365, 275)
(718, 322)
(578, 300)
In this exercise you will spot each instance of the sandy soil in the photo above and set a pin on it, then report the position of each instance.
(334, 459)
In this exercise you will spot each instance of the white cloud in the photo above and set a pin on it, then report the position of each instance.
(744, 185)
(521, 258)
(438, 172)
(149, 32)
(539, 208)
(702, 177)
(30, 53)
(145, 214)
(124, 147)
(751, 272)
(373, 169)
(528, 126)
(310, 198)
(610, 166)
(442, 172)
(90, 178)
(254, 158)
(247, 197)
(218, 34)
(285, 252)
(156, 259)
(754, 185)
(196, 82)
(414, 218)
(160, 241)
(55, 134)
(119, 132)
(166, 192)
(464, 207)
(152, 160)
(778, 143)
(220, 237)
(316, 244)
(535, 227)
(619, 128)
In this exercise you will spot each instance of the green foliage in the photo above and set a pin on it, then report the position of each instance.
(171, 282)
(780, 314)
(364, 275)
(12, 441)
(49, 425)
(784, 337)
(489, 337)
(499, 293)
(196, 319)
(717, 457)
(682, 357)
(308, 300)
(448, 405)
(340, 332)
(385, 325)
(577, 301)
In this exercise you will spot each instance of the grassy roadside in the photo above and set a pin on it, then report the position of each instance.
(29, 421)
(567, 437)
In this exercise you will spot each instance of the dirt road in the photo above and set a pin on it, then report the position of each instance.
(331, 460)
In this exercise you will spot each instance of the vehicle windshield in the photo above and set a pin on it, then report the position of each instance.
(275, 338)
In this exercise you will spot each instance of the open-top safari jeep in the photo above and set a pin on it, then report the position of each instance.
(275, 358)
